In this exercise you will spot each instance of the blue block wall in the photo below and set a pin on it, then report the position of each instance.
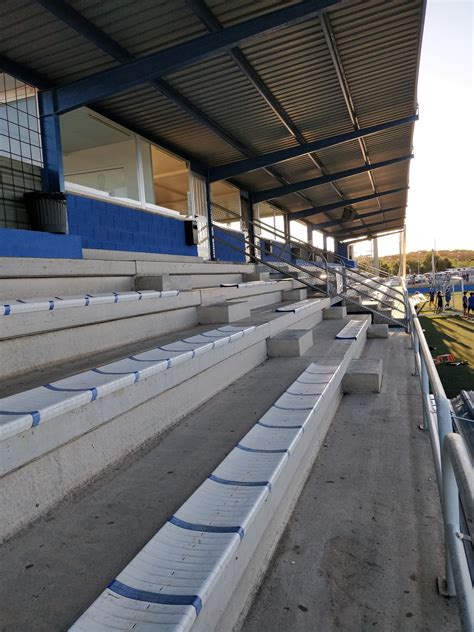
(282, 251)
(108, 226)
(32, 243)
(342, 250)
(225, 252)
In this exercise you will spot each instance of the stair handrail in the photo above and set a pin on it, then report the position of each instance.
(388, 292)
(320, 252)
(332, 294)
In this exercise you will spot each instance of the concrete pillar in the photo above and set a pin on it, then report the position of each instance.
(375, 247)
(404, 251)
(309, 237)
(402, 258)
(325, 242)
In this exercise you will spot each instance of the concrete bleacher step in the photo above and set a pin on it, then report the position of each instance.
(81, 424)
(35, 334)
(199, 570)
(29, 278)
(123, 509)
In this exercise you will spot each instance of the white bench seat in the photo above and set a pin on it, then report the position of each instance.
(297, 307)
(166, 585)
(10, 308)
(26, 410)
(352, 330)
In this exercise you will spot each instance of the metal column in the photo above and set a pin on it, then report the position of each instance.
(309, 237)
(286, 226)
(403, 236)
(210, 228)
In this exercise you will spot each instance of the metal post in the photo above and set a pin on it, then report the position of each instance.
(309, 237)
(416, 351)
(210, 228)
(450, 503)
(425, 391)
(251, 229)
(53, 171)
(325, 242)
(404, 252)
(286, 226)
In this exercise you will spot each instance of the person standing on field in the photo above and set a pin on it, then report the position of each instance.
(439, 302)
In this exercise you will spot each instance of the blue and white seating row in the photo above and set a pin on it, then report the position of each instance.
(249, 284)
(297, 307)
(352, 330)
(184, 577)
(11, 308)
(39, 405)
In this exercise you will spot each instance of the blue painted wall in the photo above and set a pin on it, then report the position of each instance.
(108, 226)
(341, 249)
(225, 252)
(31, 243)
(280, 249)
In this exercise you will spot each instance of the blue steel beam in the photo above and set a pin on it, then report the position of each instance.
(269, 194)
(200, 9)
(89, 31)
(206, 16)
(379, 233)
(30, 77)
(316, 210)
(130, 74)
(365, 228)
(335, 222)
(344, 85)
(230, 170)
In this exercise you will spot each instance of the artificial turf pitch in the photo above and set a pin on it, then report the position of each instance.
(450, 333)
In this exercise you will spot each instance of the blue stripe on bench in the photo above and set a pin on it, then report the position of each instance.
(152, 597)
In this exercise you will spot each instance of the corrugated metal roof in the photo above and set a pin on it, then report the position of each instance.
(377, 44)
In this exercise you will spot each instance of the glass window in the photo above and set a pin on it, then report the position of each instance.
(99, 155)
(169, 185)
(225, 200)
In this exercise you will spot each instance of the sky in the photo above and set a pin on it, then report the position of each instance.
(440, 208)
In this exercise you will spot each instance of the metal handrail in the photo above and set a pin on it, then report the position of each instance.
(323, 254)
(454, 471)
(315, 286)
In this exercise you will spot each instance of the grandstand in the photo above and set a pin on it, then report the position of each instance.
(210, 411)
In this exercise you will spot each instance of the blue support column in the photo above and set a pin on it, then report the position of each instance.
(210, 228)
(53, 172)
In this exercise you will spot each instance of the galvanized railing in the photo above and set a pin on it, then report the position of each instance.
(454, 475)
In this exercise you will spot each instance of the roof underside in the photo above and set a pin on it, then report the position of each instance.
(353, 67)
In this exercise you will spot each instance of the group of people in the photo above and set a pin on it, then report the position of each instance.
(467, 304)
(437, 302)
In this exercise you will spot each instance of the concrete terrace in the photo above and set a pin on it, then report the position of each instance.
(354, 556)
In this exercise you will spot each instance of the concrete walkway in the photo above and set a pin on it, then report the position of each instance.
(364, 545)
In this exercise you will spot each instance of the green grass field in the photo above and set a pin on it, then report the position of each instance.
(451, 334)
